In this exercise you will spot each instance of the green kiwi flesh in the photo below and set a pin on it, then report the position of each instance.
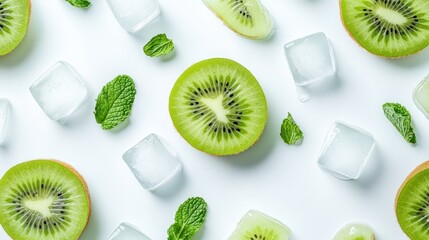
(43, 200)
(388, 28)
(355, 231)
(14, 18)
(412, 204)
(218, 106)
(258, 226)
(246, 17)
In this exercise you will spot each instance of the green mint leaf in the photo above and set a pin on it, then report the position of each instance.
(290, 131)
(80, 3)
(189, 219)
(158, 45)
(115, 102)
(399, 116)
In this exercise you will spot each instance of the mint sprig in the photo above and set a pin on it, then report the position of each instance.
(80, 3)
(158, 45)
(290, 131)
(399, 116)
(115, 102)
(189, 219)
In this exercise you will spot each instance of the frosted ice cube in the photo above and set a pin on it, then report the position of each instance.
(153, 162)
(254, 220)
(311, 60)
(59, 91)
(421, 96)
(126, 231)
(133, 15)
(4, 119)
(345, 151)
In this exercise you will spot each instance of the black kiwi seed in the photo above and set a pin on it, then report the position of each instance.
(242, 12)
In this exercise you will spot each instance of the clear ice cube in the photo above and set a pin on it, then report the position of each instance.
(133, 15)
(421, 96)
(311, 60)
(126, 231)
(4, 119)
(254, 220)
(59, 91)
(345, 151)
(153, 162)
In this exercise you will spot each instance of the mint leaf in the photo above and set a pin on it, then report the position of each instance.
(399, 116)
(115, 101)
(80, 3)
(290, 131)
(158, 45)
(189, 219)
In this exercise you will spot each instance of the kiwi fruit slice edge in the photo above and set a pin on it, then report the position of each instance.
(258, 226)
(218, 106)
(14, 19)
(388, 28)
(355, 231)
(44, 200)
(412, 203)
(248, 18)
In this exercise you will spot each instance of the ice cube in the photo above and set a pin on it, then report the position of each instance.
(126, 231)
(421, 96)
(153, 162)
(133, 15)
(257, 220)
(4, 119)
(311, 60)
(59, 92)
(345, 151)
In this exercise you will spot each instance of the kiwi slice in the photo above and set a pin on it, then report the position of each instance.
(412, 203)
(246, 17)
(218, 106)
(355, 231)
(258, 226)
(43, 200)
(14, 18)
(388, 28)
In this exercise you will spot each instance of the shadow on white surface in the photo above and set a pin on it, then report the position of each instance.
(83, 113)
(172, 187)
(373, 171)
(259, 151)
(413, 61)
(92, 230)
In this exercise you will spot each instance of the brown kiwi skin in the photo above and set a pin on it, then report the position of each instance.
(82, 180)
(354, 39)
(28, 22)
(417, 170)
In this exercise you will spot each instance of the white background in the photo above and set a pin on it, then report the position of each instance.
(280, 180)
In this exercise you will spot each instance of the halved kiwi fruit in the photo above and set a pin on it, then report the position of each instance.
(14, 18)
(412, 203)
(388, 28)
(246, 17)
(355, 231)
(219, 107)
(44, 200)
(258, 226)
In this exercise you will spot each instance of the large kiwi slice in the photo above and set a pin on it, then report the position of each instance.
(218, 106)
(412, 203)
(355, 231)
(388, 28)
(14, 18)
(246, 17)
(258, 226)
(43, 200)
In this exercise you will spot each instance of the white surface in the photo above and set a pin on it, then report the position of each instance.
(126, 231)
(279, 180)
(346, 150)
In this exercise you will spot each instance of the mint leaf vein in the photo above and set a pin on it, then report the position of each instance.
(399, 116)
